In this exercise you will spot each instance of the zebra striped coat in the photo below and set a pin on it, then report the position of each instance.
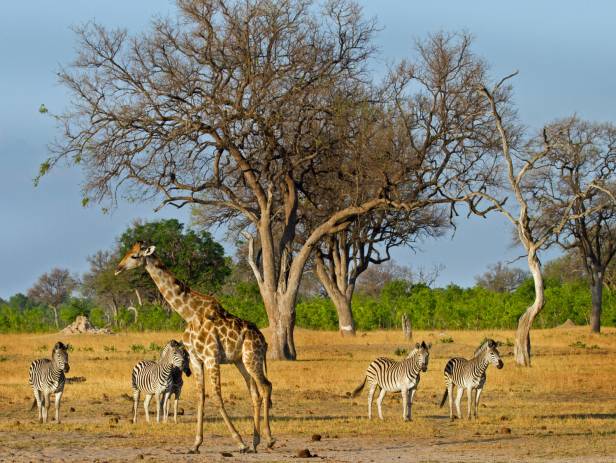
(47, 377)
(177, 383)
(469, 375)
(156, 378)
(392, 376)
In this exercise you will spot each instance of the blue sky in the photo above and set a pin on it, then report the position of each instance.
(565, 54)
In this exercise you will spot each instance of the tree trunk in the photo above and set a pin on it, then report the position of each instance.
(281, 315)
(596, 291)
(346, 324)
(406, 327)
(521, 350)
(55, 317)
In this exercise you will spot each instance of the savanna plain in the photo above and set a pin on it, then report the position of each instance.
(561, 409)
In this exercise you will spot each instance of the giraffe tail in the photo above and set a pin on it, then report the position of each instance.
(359, 388)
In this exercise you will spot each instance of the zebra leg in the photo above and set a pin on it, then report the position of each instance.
(175, 408)
(38, 396)
(469, 393)
(159, 405)
(165, 406)
(135, 404)
(478, 391)
(46, 403)
(214, 380)
(370, 398)
(197, 368)
(146, 406)
(379, 401)
(412, 392)
(58, 397)
(450, 395)
(458, 400)
(405, 404)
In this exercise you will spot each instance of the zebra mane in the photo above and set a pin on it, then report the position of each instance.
(412, 353)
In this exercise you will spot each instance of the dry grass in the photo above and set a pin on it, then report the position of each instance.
(562, 407)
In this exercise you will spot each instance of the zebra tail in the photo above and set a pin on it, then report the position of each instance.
(33, 404)
(444, 397)
(359, 388)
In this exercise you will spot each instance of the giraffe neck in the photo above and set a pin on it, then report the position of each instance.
(176, 293)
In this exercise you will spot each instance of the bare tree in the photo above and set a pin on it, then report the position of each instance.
(238, 107)
(528, 172)
(583, 155)
(53, 289)
(501, 278)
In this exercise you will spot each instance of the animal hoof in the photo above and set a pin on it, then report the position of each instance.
(271, 443)
(244, 449)
(193, 451)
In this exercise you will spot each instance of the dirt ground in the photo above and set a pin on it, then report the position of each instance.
(562, 409)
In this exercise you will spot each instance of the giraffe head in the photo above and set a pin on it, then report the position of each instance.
(135, 257)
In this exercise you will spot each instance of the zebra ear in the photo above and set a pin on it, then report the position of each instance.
(491, 343)
(417, 345)
(429, 345)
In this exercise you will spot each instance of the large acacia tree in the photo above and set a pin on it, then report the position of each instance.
(238, 106)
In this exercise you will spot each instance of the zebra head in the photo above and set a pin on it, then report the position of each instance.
(59, 356)
(175, 353)
(422, 354)
(135, 257)
(492, 354)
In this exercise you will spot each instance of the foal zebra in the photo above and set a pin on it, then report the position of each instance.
(469, 375)
(177, 382)
(47, 377)
(392, 376)
(156, 378)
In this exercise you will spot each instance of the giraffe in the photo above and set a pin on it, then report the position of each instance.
(212, 337)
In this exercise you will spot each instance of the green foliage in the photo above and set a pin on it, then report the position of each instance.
(446, 340)
(193, 257)
(137, 348)
(401, 351)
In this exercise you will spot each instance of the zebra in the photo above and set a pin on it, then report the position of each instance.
(177, 382)
(469, 375)
(47, 377)
(392, 376)
(156, 378)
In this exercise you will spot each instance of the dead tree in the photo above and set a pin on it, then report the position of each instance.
(528, 171)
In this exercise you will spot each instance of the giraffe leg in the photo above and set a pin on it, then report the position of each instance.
(38, 396)
(254, 361)
(458, 400)
(146, 406)
(370, 398)
(379, 402)
(197, 368)
(256, 404)
(57, 403)
(214, 380)
(135, 404)
(477, 400)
